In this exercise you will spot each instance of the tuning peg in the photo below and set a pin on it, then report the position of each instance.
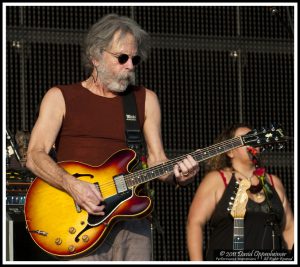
(266, 147)
(254, 132)
(263, 130)
(271, 147)
(258, 141)
(274, 126)
(279, 146)
(229, 209)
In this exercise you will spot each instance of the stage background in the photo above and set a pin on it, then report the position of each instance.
(209, 65)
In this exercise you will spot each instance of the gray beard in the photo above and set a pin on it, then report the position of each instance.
(116, 84)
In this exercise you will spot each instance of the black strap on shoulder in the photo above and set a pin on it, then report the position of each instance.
(133, 134)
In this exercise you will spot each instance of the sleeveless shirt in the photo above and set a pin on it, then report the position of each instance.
(257, 224)
(93, 127)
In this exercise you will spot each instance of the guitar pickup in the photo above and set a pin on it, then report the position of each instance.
(120, 183)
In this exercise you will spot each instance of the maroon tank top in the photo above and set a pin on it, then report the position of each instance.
(93, 127)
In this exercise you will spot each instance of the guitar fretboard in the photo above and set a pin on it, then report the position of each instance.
(238, 234)
(149, 174)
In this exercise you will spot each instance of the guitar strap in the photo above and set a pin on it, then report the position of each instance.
(135, 141)
(133, 134)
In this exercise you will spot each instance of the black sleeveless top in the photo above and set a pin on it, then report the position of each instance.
(258, 223)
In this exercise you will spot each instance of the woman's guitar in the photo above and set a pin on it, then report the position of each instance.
(61, 228)
(238, 211)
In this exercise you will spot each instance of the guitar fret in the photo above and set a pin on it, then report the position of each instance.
(238, 234)
(215, 150)
(149, 174)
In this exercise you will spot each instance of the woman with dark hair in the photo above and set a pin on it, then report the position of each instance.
(246, 207)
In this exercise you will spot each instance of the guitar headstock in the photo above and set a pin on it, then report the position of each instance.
(265, 138)
(238, 209)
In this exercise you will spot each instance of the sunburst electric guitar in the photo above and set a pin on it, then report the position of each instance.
(58, 225)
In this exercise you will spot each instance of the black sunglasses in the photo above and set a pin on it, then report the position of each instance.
(123, 58)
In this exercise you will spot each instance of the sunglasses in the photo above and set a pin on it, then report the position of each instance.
(123, 58)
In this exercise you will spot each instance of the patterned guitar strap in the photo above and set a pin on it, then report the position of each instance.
(133, 134)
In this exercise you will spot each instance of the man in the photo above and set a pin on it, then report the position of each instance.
(85, 122)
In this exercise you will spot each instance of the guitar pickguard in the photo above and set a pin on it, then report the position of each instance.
(111, 204)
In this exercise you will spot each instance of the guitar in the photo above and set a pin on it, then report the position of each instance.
(238, 211)
(59, 227)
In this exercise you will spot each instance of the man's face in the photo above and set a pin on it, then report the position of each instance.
(114, 75)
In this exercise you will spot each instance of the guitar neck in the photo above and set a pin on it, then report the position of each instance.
(238, 234)
(143, 176)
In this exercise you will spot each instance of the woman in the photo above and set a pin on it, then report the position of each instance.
(268, 218)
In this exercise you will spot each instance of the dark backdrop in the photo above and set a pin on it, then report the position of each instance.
(209, 65)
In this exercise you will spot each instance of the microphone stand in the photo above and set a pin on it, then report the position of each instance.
(12, 146)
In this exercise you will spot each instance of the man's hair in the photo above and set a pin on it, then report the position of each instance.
(223, 161)
(101, 33)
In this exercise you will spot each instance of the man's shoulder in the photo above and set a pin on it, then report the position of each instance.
(136, 88)
(68, 86)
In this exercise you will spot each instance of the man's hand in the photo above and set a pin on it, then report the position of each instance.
(86, 196)
(186, 170)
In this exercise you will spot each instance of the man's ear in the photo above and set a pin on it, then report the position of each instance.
(95, 62)
(230, 154)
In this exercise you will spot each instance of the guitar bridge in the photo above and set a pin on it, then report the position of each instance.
(120, 183)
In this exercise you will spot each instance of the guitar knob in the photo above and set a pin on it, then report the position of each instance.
(71, 248)
(58, 241)
(85, 238)
(72, 230)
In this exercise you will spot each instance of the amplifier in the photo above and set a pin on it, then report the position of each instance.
(15, 197)
(16, 189)
(19, 244)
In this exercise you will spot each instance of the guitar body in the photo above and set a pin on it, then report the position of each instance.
(61, 228)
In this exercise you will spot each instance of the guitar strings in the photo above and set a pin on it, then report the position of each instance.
(172, 162)
(128, 177)
(105, 187)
